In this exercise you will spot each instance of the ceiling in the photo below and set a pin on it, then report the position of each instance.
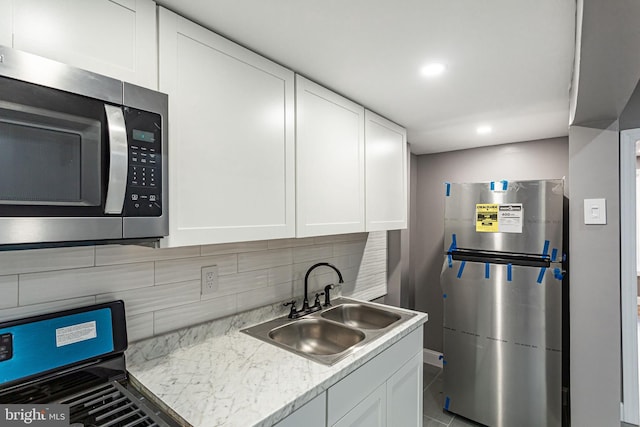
(508, 62)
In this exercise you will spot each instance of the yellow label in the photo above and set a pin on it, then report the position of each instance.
(487, 218)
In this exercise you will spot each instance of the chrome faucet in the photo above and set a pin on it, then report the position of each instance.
(305, 302)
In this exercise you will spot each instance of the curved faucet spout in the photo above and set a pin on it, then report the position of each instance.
(305, 303)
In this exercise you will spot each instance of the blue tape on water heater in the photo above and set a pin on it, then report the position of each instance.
(509, 272)
(505, 184)
(493, 186)
(461, 269)
(447, 401)
(487, 270)
(541, 275)
(448, 188)
(450, 260)
(554, 254)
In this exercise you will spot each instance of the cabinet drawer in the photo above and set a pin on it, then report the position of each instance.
(349, 391)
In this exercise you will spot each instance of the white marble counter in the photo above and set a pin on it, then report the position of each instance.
(214, 375)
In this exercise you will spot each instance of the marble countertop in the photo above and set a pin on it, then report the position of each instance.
(214, 375)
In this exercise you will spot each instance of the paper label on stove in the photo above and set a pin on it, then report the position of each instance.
(510, 218)
(75, 333)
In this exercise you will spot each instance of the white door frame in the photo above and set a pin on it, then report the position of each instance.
(630, 405)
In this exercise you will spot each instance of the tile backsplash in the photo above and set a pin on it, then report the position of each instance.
(161, 287)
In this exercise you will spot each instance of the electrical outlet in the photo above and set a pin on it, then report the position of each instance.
(209, 281)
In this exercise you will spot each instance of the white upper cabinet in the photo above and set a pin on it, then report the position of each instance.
(329, 162)
(231, 133)
(116, 38)
(386, 173)
(6, 26)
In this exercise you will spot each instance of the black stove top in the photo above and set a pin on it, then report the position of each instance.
(95, 389)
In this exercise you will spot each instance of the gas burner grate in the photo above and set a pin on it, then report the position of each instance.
(111, 405)
(50, 390)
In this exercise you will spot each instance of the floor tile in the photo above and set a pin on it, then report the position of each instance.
(433, 402)
(429, 373)
(430, 422)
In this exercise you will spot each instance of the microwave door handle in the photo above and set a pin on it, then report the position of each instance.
(118, 158)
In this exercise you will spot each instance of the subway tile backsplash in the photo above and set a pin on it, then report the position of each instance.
(161, 287)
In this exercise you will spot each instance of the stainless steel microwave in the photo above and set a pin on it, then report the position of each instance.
(83, 157)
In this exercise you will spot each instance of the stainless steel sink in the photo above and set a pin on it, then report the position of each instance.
(316, 336)
(361, 316)
(332, 334)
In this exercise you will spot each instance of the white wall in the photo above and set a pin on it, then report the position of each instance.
(161, 287)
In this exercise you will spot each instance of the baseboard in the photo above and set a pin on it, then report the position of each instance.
(432, 357)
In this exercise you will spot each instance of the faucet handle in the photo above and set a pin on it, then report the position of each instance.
(316, 303)
(293, 312)
(327, 296)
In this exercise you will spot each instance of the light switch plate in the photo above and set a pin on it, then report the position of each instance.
(595, 211)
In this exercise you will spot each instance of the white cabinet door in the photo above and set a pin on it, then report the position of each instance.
(386, 174)
(404, 395)
(231, 138)
(329, 162)
(311, 414)
(6, 23)
(116, 38)
(371, 412)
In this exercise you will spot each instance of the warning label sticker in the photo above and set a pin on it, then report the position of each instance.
(510, 218)
(499, 218)
(487, 218)
(76, 333)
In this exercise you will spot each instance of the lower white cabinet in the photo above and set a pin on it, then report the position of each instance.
(311, 414)
(371, 412)
(404, 394)
(386, 391)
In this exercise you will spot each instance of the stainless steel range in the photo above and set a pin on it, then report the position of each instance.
(73, 360)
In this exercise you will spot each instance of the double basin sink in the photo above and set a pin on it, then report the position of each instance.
(332, 334)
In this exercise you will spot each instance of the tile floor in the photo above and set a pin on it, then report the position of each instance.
(434, 415)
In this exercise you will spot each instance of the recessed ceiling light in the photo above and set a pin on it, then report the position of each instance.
(432, 70)
(484, 129)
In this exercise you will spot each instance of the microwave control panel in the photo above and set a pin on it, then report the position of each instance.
(144, 180)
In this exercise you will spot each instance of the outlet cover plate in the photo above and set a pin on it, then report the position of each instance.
(209, 280)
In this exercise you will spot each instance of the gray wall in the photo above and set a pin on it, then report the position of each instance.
(595, 279)
(519, 161)
(400, 289)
